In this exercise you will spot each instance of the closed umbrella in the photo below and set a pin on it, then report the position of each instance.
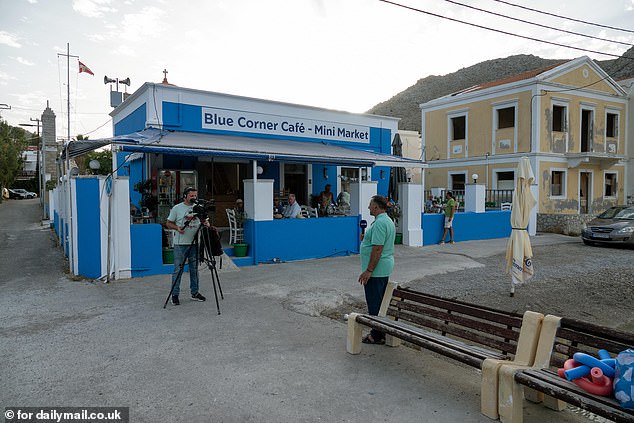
(397, 174)
(519, 254)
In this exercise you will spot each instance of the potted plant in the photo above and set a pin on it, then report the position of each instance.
(240, 249)
(148, 201)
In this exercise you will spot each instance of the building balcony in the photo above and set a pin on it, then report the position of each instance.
(604, 160)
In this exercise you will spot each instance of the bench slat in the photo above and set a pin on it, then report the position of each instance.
(597, 341)
(455, 301)
(598, 331)
(471, 355)
(468, 321)
(575, 336)
(499, 345)
(551, 384)
(436, 337)
(509, 319)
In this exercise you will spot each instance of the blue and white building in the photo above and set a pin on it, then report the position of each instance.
(229, 147)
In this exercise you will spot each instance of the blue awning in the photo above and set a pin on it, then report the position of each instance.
(252, 148)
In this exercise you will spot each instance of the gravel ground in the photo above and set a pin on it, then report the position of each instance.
(594, 284)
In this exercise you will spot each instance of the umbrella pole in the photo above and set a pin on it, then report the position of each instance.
(512, 294)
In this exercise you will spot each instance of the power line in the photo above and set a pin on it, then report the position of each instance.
(564, 17)
(99, 127)
(504, 32)
(78, 113)
(537, 24)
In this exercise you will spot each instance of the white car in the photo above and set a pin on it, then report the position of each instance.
(21, 194)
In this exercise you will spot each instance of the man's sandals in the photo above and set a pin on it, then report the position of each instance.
(368, 339)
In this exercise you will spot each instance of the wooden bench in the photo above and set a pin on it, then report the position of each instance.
(459, 330)
(560, 338)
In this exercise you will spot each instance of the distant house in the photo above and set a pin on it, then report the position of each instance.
(29, 162)
(569, 119)
(411, 150)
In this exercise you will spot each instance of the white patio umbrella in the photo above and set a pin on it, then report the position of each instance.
(519, 254)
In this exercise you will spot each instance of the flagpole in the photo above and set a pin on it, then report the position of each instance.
(70, 187)
(68, 91)
(69, 232)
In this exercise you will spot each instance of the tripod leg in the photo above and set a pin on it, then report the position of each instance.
(180, 273)
(215, 293)
(208, 258)
(215, 270)
(177, 278)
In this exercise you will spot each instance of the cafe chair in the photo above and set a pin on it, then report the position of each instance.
(506, 206)
(308, 211)
(236, 234)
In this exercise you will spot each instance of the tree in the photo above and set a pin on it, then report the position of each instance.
(104, 157)
(13, 141)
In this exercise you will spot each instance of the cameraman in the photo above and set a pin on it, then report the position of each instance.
(185, 222)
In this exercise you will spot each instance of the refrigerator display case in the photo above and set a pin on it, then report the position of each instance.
(170, 186)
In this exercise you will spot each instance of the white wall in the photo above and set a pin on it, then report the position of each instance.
(258, 199)
(121, 251)
(360, 195)
(411, 200)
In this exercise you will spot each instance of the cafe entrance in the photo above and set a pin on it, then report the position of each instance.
(296, 181)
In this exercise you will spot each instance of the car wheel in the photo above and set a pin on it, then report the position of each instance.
(585, 241)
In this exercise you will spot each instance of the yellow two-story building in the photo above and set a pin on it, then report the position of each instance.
(569, 119)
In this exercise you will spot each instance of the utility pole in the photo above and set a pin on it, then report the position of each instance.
(69, 201)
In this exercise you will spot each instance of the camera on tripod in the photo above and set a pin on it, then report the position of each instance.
(202, 208)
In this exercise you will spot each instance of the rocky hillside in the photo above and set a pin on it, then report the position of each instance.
(405, 104)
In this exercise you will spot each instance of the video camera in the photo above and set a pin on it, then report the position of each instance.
(202, 208)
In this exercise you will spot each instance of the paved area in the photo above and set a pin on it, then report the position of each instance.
(271, 356)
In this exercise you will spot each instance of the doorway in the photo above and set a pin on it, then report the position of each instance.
(585, 182)
(296, 181)
(587, 121)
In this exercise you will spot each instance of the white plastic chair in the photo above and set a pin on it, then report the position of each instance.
(236, 235)
(308, 211)
(506, 206)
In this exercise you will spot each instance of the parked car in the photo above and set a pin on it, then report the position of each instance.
(613, 226)
(21, 194)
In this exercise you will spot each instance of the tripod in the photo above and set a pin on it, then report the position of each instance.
(204, 233)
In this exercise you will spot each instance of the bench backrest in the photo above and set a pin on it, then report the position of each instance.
(578, 336)
(495, 329)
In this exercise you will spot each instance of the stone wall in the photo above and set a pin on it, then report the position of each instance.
(567, 224)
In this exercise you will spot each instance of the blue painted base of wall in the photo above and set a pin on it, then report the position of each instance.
(302, 239)
(238, 261)
(56, 223)
(147, 251)
(88, 227)
(468, 226)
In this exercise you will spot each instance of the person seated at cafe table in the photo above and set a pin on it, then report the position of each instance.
(278, 209)
(293, 209)
(240, 214)
(343, 199)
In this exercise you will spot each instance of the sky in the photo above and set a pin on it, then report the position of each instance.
(337, 54)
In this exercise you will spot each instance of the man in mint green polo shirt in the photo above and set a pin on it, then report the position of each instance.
(377, 261)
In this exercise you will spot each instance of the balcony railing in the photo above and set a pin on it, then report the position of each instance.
(493, 198)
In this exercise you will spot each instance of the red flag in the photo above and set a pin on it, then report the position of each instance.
(84, 68)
